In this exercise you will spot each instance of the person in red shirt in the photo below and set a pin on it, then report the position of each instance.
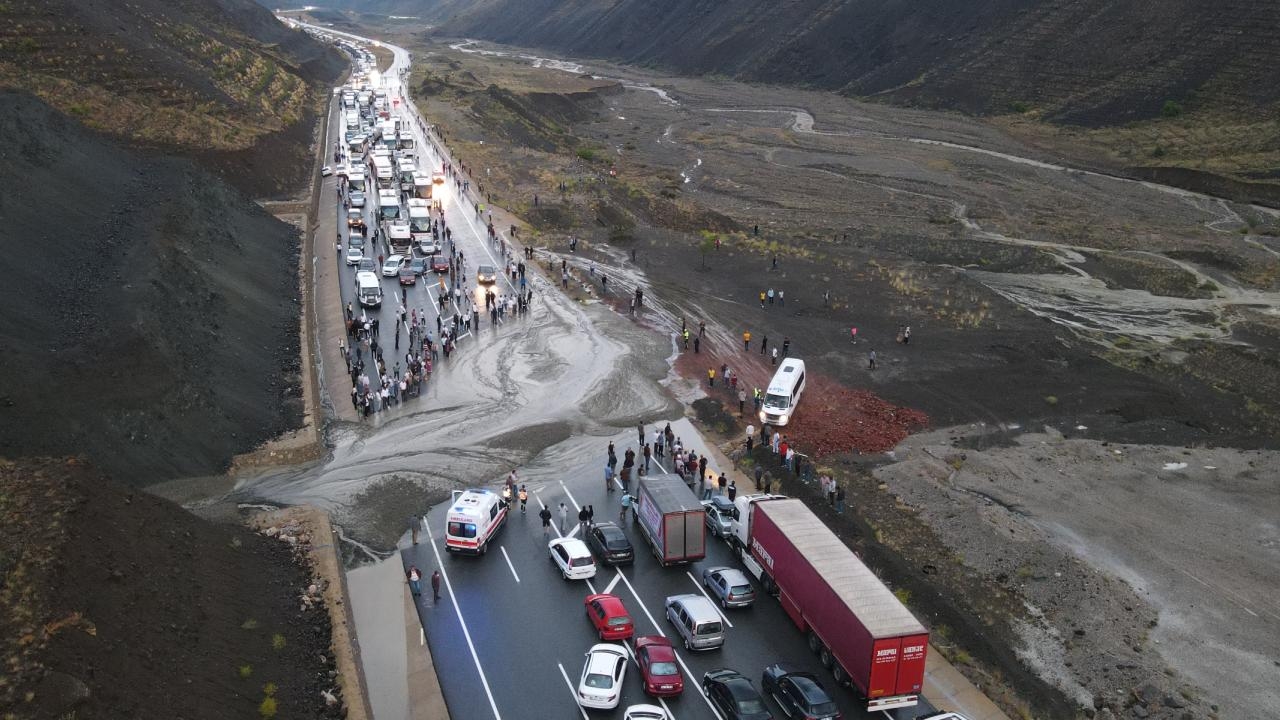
(782, 453)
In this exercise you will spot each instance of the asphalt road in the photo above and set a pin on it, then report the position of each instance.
(469, 238)
(508, 634)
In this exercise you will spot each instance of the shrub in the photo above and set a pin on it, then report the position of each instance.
(249, 624)
(245, 671)
(1051, 399)
(1171, 109)
(1157, 151)
(269, 689)
(277, 642)
(903, 595)
(1019, 106)
(268, 708)
(588, 154)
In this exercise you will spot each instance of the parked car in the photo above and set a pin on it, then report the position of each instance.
(610, 544)
(418, 265)
(326, 171)
(658, 668)
(719, 523)
(440, 263)
(602, 676)
(486, 274)
(729, 586)
(354, 255)
(798, 693)
(408, 276)
(572, 557)
(391, 266)
(609, 616)
(734, 695)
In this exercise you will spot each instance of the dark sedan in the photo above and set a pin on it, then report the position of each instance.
(734, 696)
(408, 276)
(798, 693)
(610, 544)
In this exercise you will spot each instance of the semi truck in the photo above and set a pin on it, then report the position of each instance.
(671, 519)
(859, 629)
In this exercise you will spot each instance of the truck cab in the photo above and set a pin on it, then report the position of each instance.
(740, 535)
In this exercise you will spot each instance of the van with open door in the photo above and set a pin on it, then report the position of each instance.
(784, 392)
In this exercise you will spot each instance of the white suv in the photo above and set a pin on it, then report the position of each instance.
(573, 558)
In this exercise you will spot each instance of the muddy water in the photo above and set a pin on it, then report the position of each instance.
(527, 395)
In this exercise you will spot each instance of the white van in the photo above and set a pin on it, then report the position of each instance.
(784, 391)
(368, 289)
(474, 518)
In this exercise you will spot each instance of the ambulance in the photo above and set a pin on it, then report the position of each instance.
(474, 518)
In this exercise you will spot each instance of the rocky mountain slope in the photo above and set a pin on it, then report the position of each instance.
(203, 77)
(151, 316)
(118, 604)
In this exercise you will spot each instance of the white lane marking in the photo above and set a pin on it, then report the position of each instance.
(448, 586)
(572, 692)
(576, 506)
(636, 595)
(703, 590)
(513, 567)
(575, 530)
(697, 684)
(422, 635)
(609, 588)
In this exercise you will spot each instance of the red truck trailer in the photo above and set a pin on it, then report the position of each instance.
(859, 628)
(671, 519)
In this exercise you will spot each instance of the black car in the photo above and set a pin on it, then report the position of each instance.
(798, 693)
(734, 695)
(610, 544)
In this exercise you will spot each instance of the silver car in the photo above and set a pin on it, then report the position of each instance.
(718, 522)
(729, 586)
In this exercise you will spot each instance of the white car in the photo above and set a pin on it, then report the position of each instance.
(602, 675)
(391, 267)
(354, 255)
(644, 712)
(357, 199)
(326, 171)
(573, 558)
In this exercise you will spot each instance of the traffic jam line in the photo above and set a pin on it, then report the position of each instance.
(466, 633)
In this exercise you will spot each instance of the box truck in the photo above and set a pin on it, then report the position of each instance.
(671, 519)
(860, 630)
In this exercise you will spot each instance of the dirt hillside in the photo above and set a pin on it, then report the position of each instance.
(151, 319)
(117, 603)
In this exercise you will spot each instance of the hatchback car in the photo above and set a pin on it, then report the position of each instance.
(391, 266)
(486, 274)
(602, 676)
(734, 696)
(609, 616)
(408, 276)
(326, 171)
(729, 586)
(718, 523)
(572, 557)
(354, 255)
(357, 199)
(418, 265)
(657, 661)
(610, 544)
(440, 263)
(798, 693)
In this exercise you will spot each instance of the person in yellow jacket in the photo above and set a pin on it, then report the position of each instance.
(711, 377)
(746, 340)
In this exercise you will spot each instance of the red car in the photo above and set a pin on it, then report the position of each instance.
(440, 263)
(610, 617)
(657, 663)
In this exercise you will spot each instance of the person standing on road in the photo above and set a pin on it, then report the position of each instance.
(761, 299)
(722, 483)
(415, 580)
(746, 340)
(414, 524)
(608, 477)
(786, 346)
(764, 343)
(732, 490)
(773, 357)
(435, 585)
(697, 343)
(640, 433)
(711, 377)
(648, 454)
(564, 516)
(742, 406)
(781, 298)
(626, 505)
(545, 516)
(582, 518)
(871, 360)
